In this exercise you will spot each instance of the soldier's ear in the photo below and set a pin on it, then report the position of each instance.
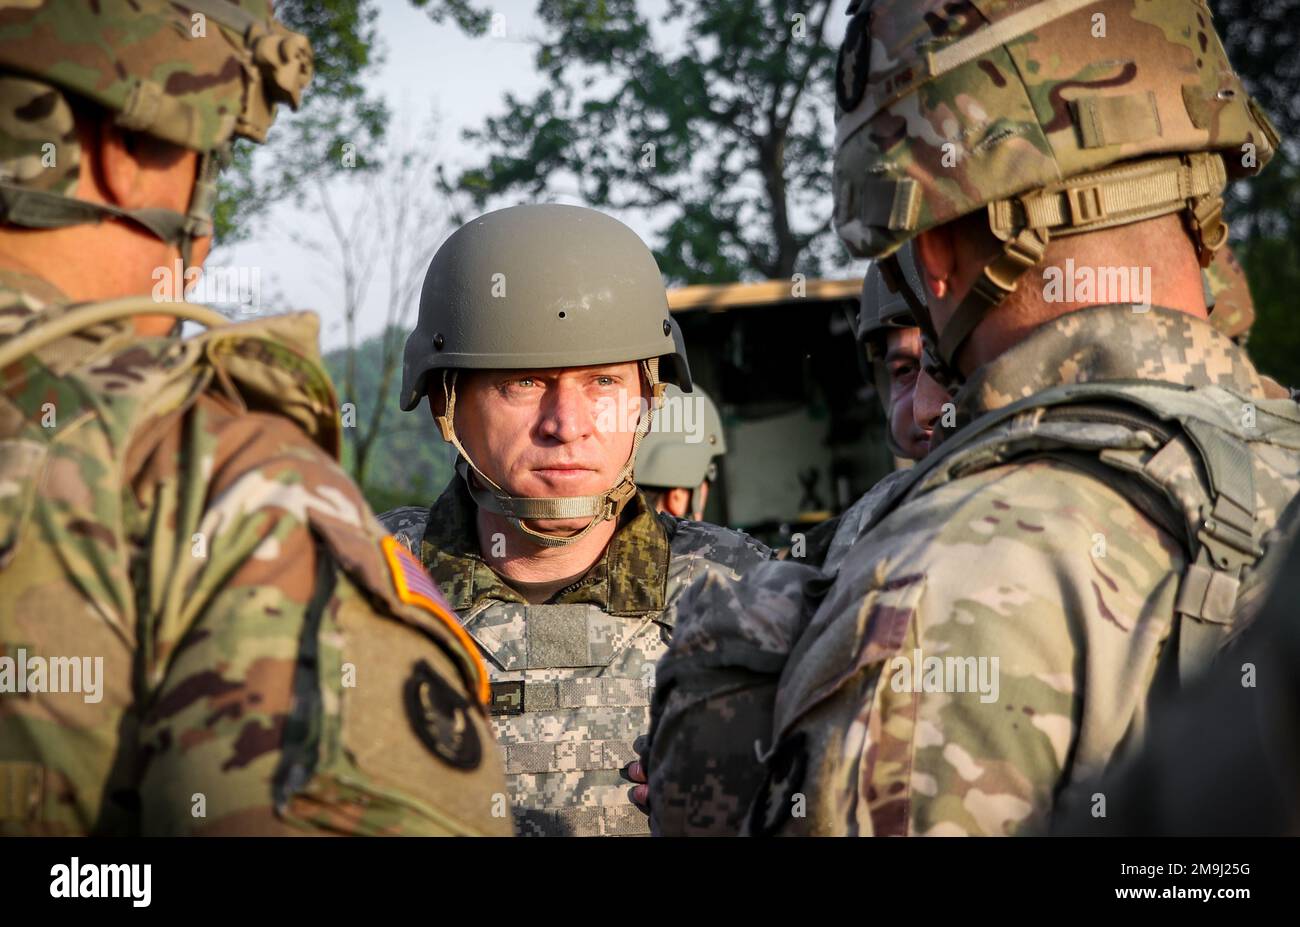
(109, 172)
(936, 251)
(677, 501)
(135, 171)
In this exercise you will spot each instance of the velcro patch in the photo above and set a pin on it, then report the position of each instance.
(507, 698)
(415, 587)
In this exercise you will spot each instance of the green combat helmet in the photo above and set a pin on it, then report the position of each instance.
(682, 449)
(542, 286)
(1056, 117)
(198, 75)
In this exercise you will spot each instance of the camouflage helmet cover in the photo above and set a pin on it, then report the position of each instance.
(884, 305)
(196, 75)
(947, 108)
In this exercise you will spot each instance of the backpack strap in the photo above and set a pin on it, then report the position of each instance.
(47, 330)
(1131, 426)
(1228, 537)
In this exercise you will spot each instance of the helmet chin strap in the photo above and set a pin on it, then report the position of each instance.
(490, 497)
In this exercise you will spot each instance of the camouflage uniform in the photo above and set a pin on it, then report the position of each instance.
(711, 711)
(1227, 291)
(572, 679)
(1080, 546)
(1224, 758)
(176, 508)
(177, 540)
(1038, 562)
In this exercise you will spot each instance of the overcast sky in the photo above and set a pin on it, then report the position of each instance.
(428, 68)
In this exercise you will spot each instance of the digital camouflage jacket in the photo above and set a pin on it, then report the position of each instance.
(572, 679)
(711, 715)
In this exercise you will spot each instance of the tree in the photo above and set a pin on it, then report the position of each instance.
(398, 221)
(724, 131)
(1262, 42)
(340, 126)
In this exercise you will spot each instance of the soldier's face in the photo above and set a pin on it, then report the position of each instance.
(550, 432)
(903, 366)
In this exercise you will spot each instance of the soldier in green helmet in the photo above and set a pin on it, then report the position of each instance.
(1098, 513)
(544, 344)
(203, 629)
(677, 461)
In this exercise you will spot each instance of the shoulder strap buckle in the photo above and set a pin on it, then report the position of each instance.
(1228, 533)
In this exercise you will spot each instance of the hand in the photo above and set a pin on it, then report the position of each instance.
(635, 772)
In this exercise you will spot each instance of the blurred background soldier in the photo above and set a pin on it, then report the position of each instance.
(543, 344)
(678, 458)
(718, 684)
(203, 629)
(891, 343)
(1227, 296)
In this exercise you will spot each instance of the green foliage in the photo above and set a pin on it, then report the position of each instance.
(337, 109)
(1263, 42)
(723, 131)
(470, 18)
(1273, 268)
(409, 463)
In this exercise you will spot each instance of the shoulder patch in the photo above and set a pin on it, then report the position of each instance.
(414, 586)
(440, 718)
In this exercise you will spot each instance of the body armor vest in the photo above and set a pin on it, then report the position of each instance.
(571, 689)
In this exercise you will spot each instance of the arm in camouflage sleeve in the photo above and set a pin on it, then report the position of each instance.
(985, 645)
(711, 714)
(291, 688)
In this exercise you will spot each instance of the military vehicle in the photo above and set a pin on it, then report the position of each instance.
(805, 435)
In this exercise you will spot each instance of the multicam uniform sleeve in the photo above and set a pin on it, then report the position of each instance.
(711, 714)
(985, 646)
(303, 674)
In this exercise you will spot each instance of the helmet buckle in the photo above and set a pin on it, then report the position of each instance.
(1211, 230)
(616, 499)
(1086, 205)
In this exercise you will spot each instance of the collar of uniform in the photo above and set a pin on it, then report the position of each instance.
(630, 578)
(25, 298)
(1108, 343)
